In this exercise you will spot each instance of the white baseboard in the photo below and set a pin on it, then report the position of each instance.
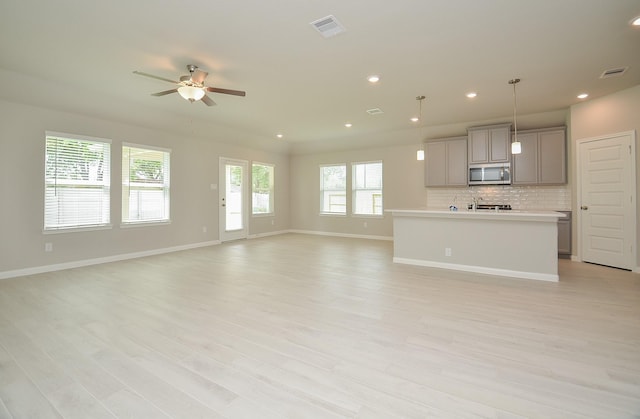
(270, 233)
(115, 258)
(353, 236)
(480, 269)
(97, 261)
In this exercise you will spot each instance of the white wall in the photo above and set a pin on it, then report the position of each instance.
(194, 167)
(403, 180)
(403, 188)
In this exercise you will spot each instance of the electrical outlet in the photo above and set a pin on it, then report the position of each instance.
(204, 229)
(365, 224)
(273, 222)
(447, 251)
(48, 247)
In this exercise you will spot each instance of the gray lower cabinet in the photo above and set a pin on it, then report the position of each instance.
(564, 236)
(543, 160)
(446, 162)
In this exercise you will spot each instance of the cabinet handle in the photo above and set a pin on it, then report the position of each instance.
(584, 207)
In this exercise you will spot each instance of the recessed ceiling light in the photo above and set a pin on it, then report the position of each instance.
(471, 95)
(279, 135)
(415, 119)
(373, 79)
(635, 21)
(583, 95)
(348, 125)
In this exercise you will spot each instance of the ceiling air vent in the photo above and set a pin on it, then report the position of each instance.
(374, 111)
(614, 72)
(328, 26)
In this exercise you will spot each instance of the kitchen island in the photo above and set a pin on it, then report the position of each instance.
(520, 244)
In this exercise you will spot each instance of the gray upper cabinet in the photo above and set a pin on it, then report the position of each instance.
(543, 160)
(446, 162)
(489, 144)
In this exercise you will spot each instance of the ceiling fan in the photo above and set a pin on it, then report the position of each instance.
(191, 87)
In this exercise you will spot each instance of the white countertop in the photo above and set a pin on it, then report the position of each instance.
(507, 215)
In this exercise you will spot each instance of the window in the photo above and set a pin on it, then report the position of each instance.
(145, 184)
(367, 188)
(77, 182)
(333, 189)
(262, 188)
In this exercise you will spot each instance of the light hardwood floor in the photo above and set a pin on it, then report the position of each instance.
(301, 326)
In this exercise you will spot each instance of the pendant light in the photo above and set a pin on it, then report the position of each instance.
(420, 153)
(516, 146)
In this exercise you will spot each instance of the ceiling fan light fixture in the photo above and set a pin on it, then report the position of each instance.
(191, 93)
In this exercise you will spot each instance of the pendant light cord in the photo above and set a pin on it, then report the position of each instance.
(515, 120)
(420, 99)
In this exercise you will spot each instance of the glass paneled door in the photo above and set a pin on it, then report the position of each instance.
(233, 199)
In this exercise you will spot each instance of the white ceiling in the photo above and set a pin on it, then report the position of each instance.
(79, 56)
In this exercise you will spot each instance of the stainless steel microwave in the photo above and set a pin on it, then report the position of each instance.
(490, 174)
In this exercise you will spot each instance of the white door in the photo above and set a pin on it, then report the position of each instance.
(233, 199)
(606, 200)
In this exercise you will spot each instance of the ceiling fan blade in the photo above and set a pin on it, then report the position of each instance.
(154, 77)
(226, 91)
(198, 76)
(207, 100)
(166, 92)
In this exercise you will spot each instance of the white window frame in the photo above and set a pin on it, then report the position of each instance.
(325, 192)
(57, 210)
(374, 196)
(271, 211)
(128, 187)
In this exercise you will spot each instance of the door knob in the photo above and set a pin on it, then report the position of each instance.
(224, 205)
(584, 207)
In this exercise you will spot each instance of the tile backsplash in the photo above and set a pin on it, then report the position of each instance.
(519, 197)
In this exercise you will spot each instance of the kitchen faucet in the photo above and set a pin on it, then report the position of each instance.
(474, 202)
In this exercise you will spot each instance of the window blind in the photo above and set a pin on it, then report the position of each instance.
(77, 182)
(145, 184)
